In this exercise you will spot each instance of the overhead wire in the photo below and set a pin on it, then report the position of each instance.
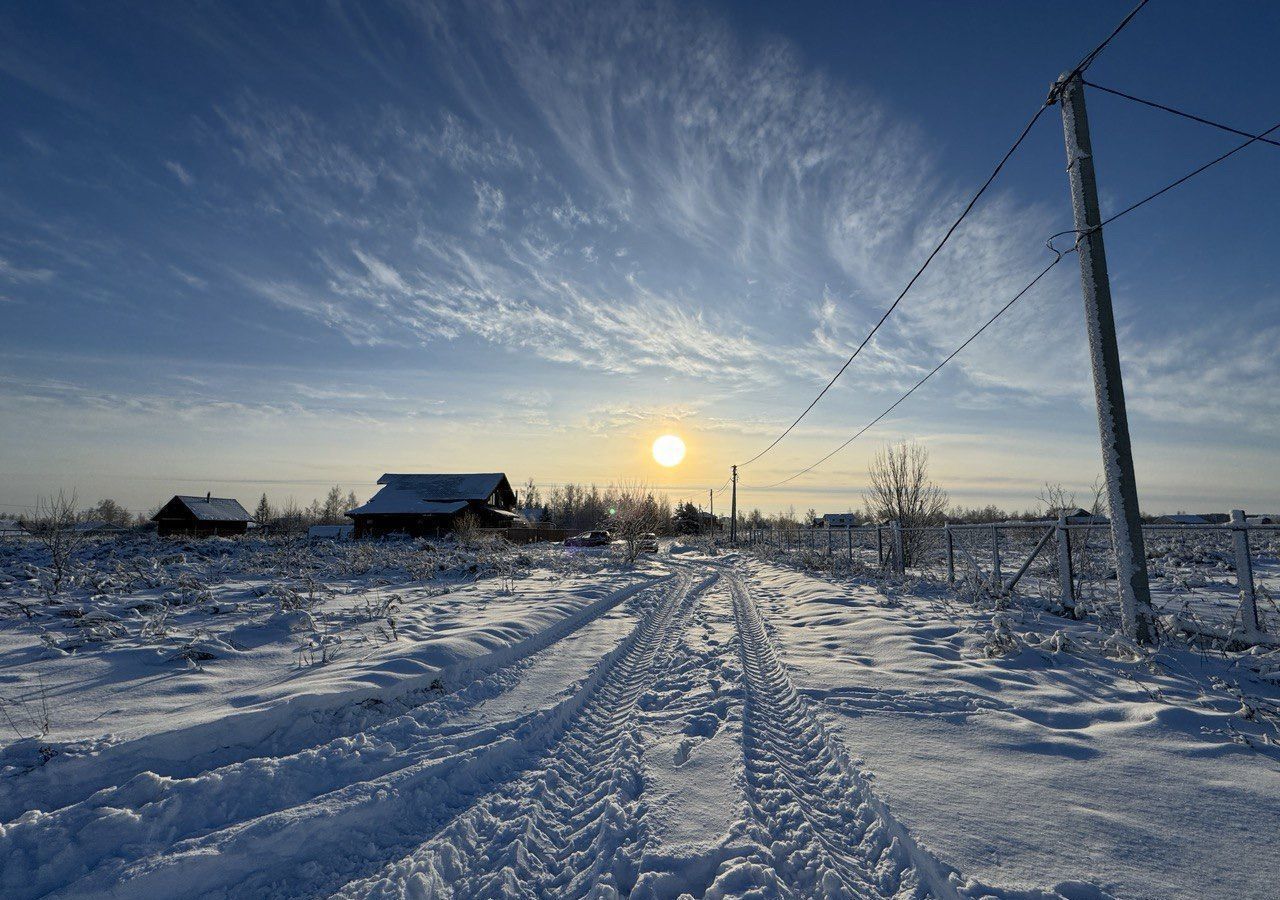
(1080, 67)
(934, 371)
(1178, 112)
(1171, 185)
(1058, 258)
(914, 278)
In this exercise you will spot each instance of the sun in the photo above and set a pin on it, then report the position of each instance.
(668, 450)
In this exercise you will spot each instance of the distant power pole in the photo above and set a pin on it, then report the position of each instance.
(733, 510)
(1113, 421)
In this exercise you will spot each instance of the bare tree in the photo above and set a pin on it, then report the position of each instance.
(110, 512)
(636, 512)
(900, 489)
(56, 519)
(332, 509)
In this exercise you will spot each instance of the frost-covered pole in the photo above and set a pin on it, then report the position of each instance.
(1244, 576)
(997, 579)
(1113, 422)
(1066, 578)
(733, 510)
(711, 502)
(898, 548)
(951, 554)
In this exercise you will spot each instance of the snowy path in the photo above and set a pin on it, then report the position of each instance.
(656, 751)
(818, 831)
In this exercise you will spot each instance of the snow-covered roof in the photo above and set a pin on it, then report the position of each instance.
(392, 501)
(462, 486)
(330, 531)
(11, 525)
(213, 509)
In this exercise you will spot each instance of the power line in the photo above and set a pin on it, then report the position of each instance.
(1173, 184)
(1179, 112)
(914, 278)
(1080, 67)
(934, 371)
(1189, 175)
(1185, 178)
(1097, 51)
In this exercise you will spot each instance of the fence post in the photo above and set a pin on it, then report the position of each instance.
(997, 579)
(1244, 575)
(1066, 578)
(951, 554)
(848, 533)
(879, 547)
(898, 547)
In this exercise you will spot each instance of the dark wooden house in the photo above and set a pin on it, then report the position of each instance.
(202, 516)
(429, 505)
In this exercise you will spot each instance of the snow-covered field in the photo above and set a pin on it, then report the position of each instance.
(242, 719)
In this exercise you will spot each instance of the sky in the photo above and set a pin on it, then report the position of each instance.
(252, 248)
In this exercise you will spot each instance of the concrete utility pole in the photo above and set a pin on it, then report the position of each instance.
(711, 501)
(1113, 422)
(733, 510)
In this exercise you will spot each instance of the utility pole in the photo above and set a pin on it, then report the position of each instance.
(711, 502)
(1113, 421)
(733, 510)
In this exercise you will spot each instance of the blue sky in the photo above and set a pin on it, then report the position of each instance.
(248, 248)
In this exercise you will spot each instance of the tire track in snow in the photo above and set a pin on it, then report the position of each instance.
(351, 831)
(817, 829)
(288, 728)
(118, 824)
(572, 826)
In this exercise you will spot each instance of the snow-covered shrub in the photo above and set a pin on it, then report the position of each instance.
(1000, 640)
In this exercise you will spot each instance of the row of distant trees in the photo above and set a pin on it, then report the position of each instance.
(899, 488)
(291, 516)
(288, 516)
(583, 507)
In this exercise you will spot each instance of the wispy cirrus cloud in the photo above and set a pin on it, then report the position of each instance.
(656, 197)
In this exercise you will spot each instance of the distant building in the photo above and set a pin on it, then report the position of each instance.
(419, 505)
(1182, 519)
(1076, 516)
(201, 516)
(839, 520)
(330, 532)
(1263, 519)
(12, 528)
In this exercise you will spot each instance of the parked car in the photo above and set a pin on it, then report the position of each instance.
(589, 539)
(647, 542)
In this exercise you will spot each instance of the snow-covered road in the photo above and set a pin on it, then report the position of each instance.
(661, 753)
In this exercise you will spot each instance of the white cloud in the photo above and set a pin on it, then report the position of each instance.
(180, 172)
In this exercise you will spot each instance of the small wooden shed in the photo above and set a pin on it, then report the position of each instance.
(202, 516)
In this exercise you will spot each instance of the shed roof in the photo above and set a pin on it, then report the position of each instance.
(461, 486)
(212, 509)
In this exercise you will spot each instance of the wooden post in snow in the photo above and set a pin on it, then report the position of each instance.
(951, 553)
(1066, 578)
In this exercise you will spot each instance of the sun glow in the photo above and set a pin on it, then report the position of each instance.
(668, 450)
